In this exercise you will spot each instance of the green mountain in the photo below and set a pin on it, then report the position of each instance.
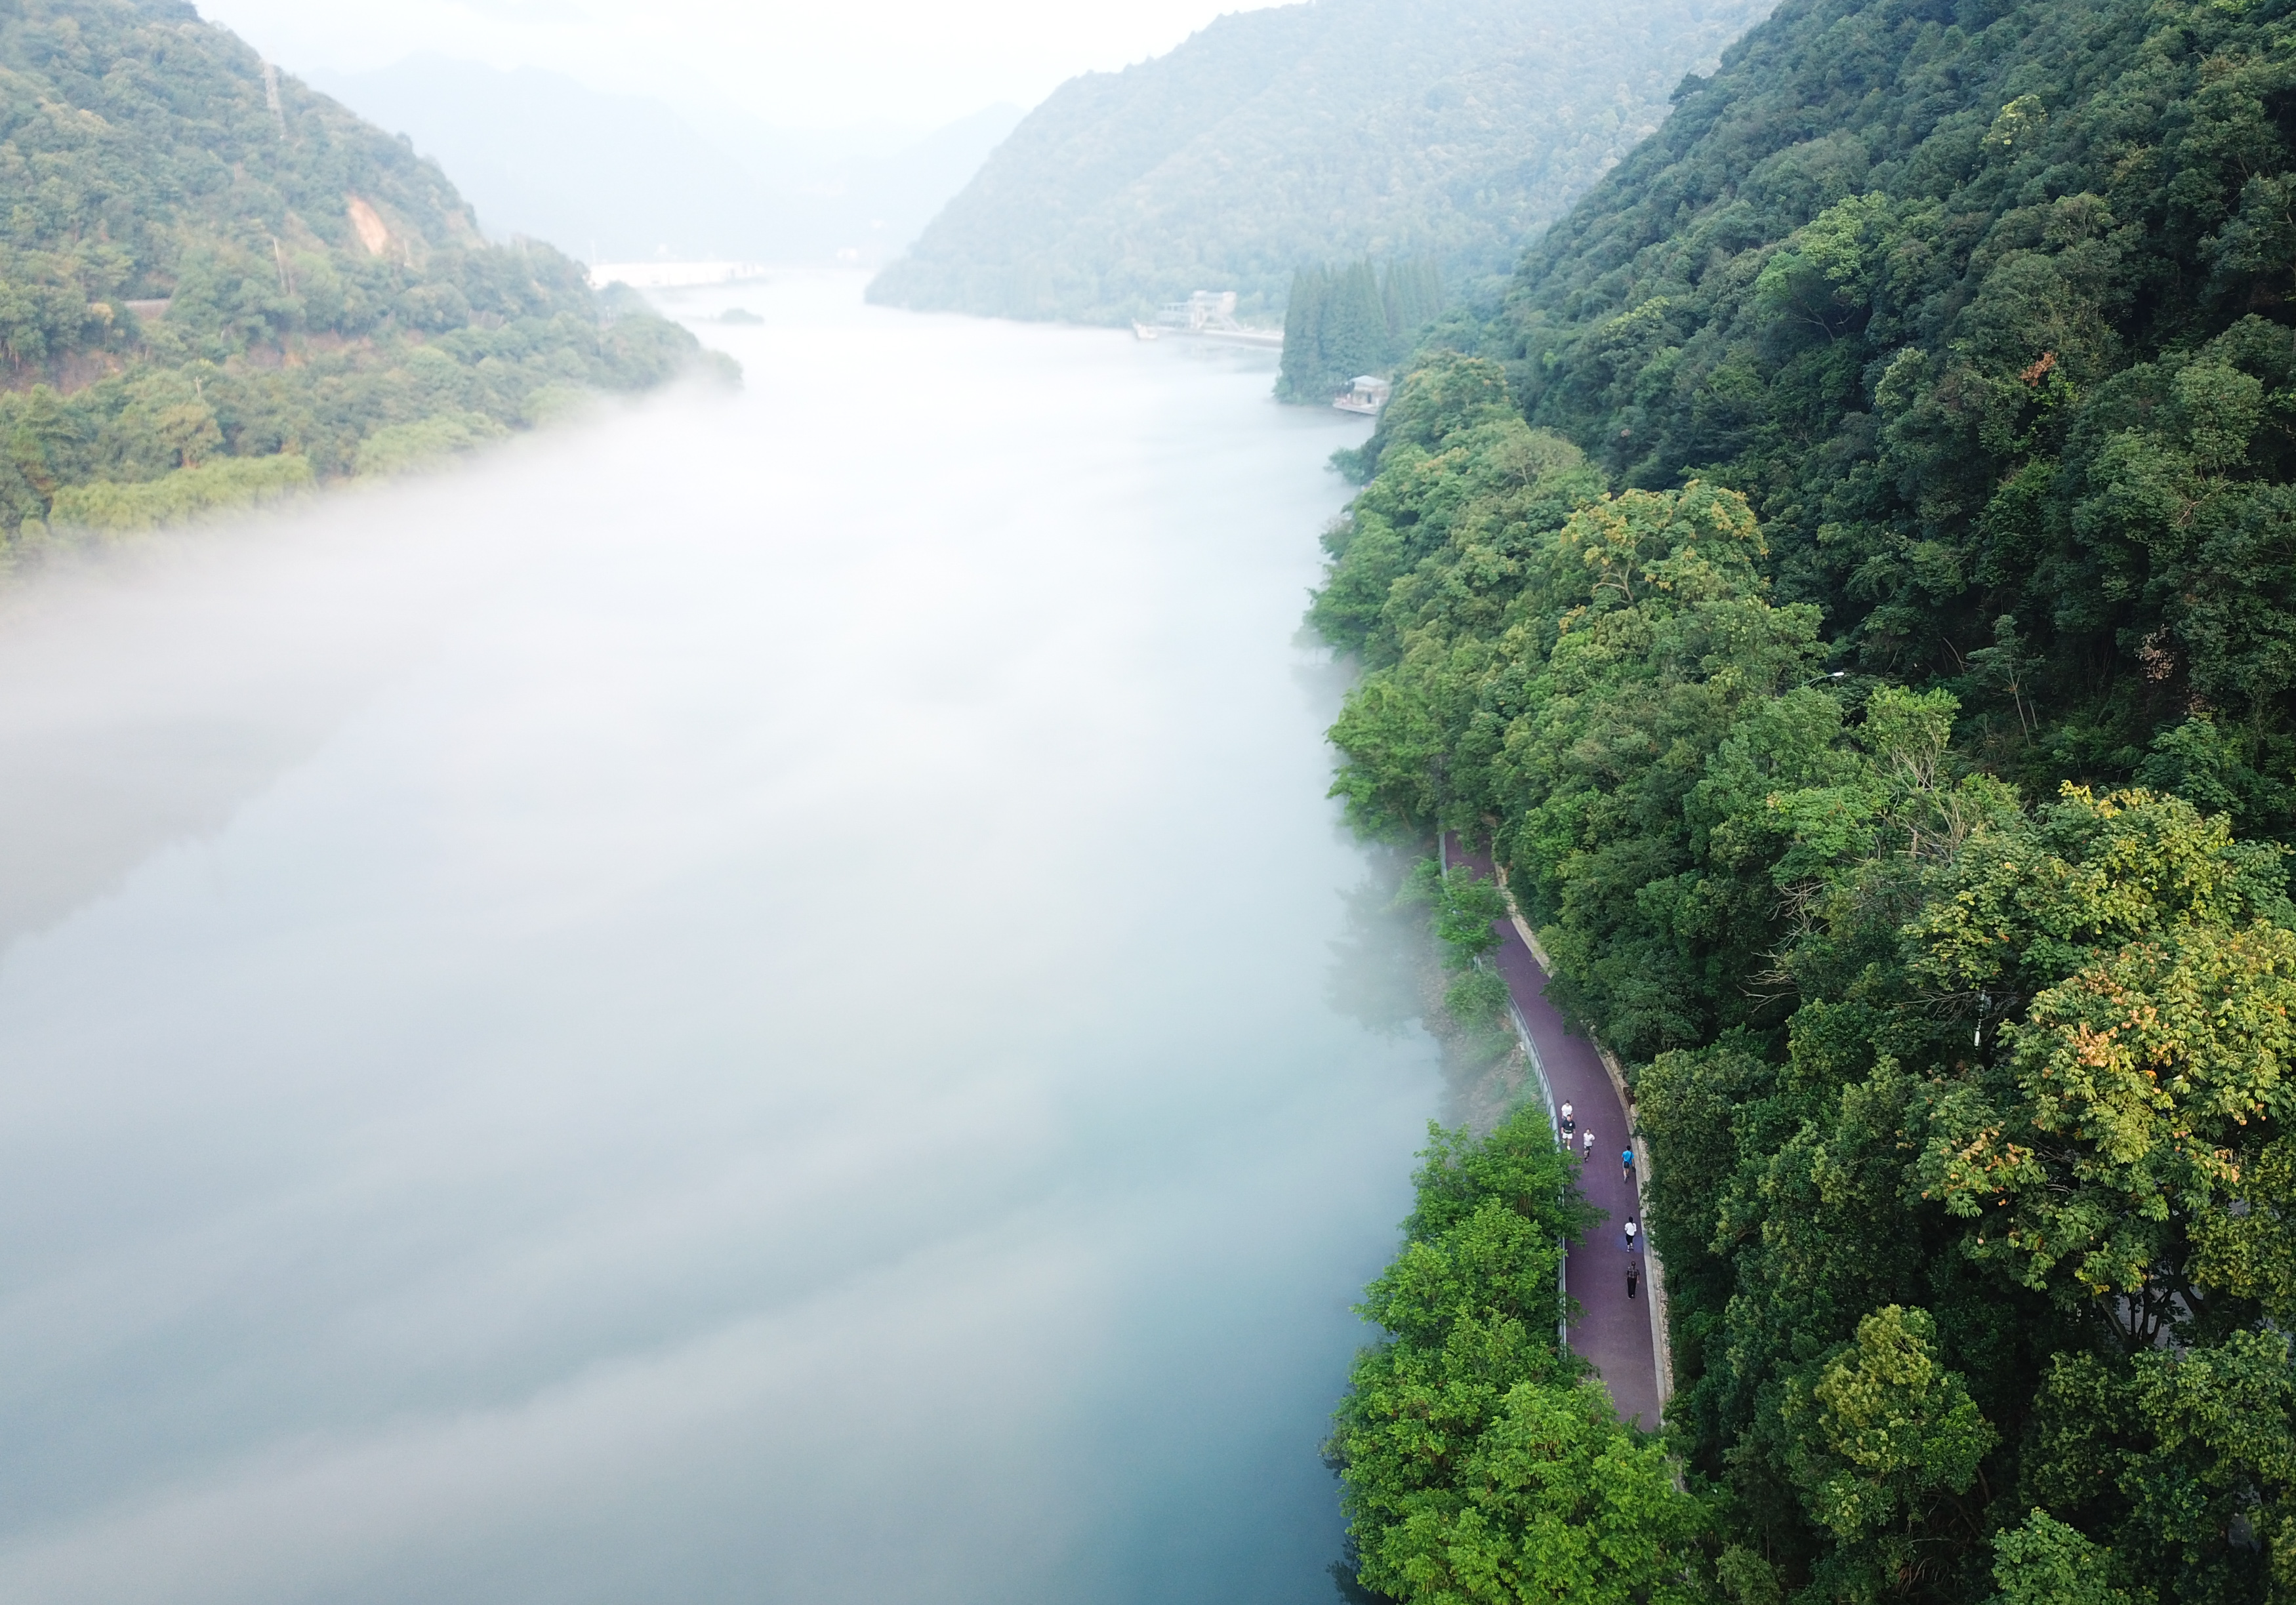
(216, 284)
(1301, 136)
(1851, 583)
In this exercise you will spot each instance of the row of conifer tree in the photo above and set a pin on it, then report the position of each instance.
(1343, 321)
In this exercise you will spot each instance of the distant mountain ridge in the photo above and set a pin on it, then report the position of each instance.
(1305, 134)
(617, 177)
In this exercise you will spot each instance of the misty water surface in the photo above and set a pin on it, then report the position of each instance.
(738, 1005)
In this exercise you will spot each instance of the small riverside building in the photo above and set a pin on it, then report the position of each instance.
(1206, 309)
(1368, 395)
(1206, 314)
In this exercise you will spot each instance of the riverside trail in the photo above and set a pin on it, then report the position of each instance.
(1613, 1330)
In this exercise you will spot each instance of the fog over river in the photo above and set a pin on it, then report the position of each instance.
(755, 999)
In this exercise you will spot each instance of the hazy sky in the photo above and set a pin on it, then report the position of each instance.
(794, 62)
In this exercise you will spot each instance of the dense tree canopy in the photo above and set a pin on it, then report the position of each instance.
(1480, 1462)
(1984, 308)
(1847, 585)
(1969, 1118)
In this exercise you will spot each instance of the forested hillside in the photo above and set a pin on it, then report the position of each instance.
(1307, 136)
(215, 283)
(1851, 585)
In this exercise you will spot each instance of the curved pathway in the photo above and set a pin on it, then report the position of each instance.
(1615, 1333)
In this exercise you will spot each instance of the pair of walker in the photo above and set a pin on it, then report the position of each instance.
(1626, 1174)
(1587, 1152)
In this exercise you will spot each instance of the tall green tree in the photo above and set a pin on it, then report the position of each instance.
(1300, 374)
(1352, 338)
(1847, 584)
(1961, 1112)
(1988, 343)
(1477, 1462)
(1411, 290)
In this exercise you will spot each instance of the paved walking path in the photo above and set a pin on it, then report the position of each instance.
(1613, 1331)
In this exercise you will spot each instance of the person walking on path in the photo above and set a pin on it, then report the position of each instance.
(1570, 1125)
(1612, 1331)
(1634, 1273)
(1626, 1166)
(1631, 1230)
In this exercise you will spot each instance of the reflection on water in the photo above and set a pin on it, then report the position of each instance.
(737, 1006)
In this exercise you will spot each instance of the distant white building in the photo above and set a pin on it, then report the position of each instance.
(1366, 394)
(1212, 309)
(673, 275)
(1209, 313)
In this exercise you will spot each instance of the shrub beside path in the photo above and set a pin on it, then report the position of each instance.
(1618, 1335)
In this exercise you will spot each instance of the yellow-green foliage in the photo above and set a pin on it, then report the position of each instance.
(109, 506)
(1947, 346)
(1944, 1088)
(398, 446)
(1478, 1461)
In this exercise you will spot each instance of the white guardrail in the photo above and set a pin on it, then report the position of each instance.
(1661, 1342)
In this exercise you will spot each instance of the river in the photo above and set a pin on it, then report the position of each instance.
(755, 999)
